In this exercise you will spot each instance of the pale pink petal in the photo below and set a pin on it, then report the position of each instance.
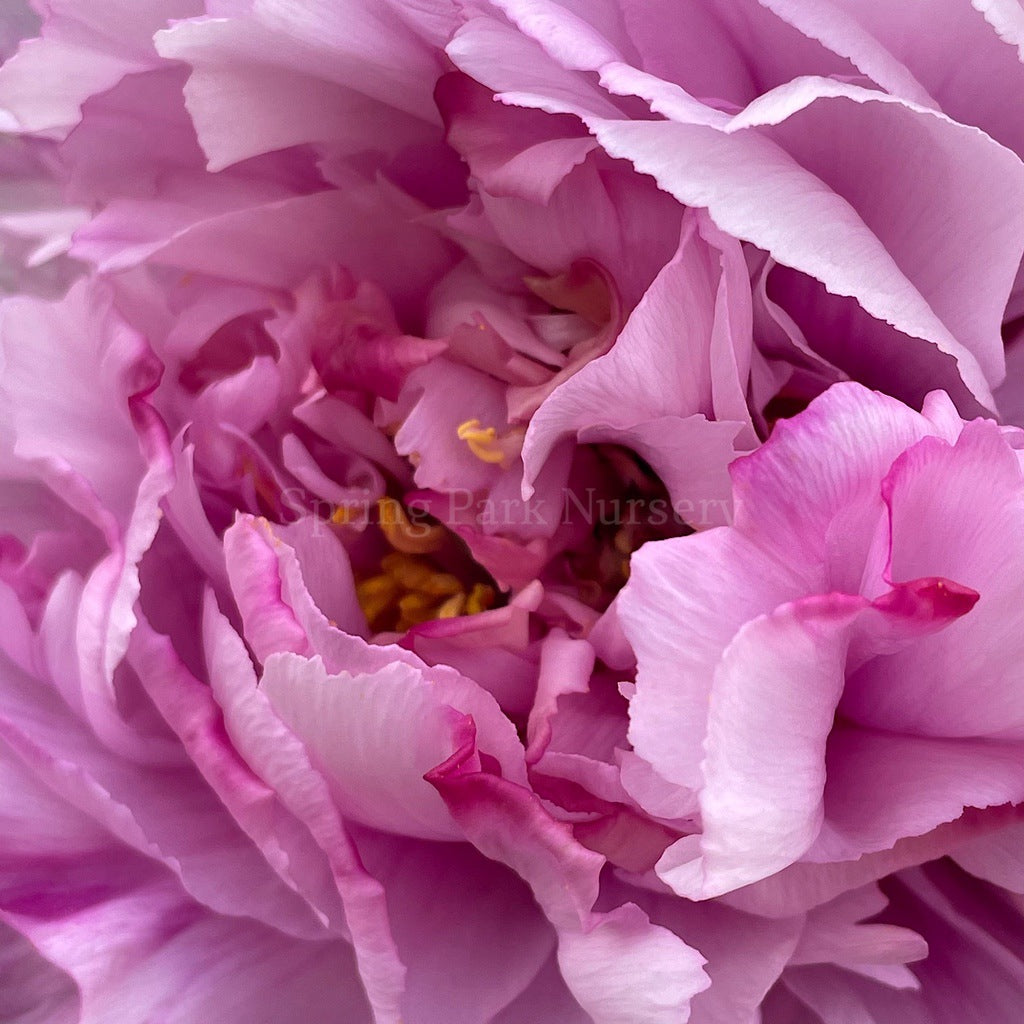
(84, 49)
(676, 616)
(927, 782)
(759, 812)
(373, 737)
(279, 616)
(664, 368)
(306, 94)
(841, 448)
(273, 752)
(954, 511)
(895, 281)
(805, 885)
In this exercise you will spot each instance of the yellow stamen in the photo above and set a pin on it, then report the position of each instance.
(481, 597)
(410, 588)
(412, 538)
(408, 571)
(453, 607)
(623, 542)
(343, 515)
(415, 608)
(376, 595)
(482, 441)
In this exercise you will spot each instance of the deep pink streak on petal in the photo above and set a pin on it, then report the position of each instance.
(955, 511)
(598, 952)
(931, 598)
(191, 709)
(280, 615)
(281, 760)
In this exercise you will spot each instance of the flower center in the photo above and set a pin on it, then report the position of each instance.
(411, 586)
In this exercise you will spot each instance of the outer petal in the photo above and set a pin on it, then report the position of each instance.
(956, 511)
(84, 48)
(144, 807)
(291, 87)
(892, 278)
(597, 951)
(989, 70)
(94, 441)
(684, 603)
(153, 956)
(781, 677)
(277, 757)
(494, 936)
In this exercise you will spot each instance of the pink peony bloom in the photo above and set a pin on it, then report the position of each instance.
(360, 353)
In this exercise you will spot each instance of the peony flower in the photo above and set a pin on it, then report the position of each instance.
(376, 347)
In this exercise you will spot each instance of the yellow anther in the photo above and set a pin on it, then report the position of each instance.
(376, 595)
(410, 589)
(343, 515)
(408, 571)
(452, 608)
(622, 541)
(414, 609)
(402, 535)
(376, 585)
(481, 597)
(442, 584)
(482, 441)
(413, 604)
